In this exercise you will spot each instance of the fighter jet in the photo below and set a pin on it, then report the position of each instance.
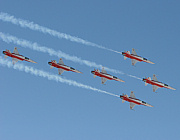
(16, 56)
(133, 100)
(104, 76)
(134, 57)
(61, 67)
(155, 83)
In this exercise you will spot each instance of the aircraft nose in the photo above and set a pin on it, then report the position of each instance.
(49, 63)
(3, 52)
(121, 96)
(122, 53)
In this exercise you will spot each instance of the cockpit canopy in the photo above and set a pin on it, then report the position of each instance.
(72, 68)
(115, 77)
(165, 85)
(144, 102)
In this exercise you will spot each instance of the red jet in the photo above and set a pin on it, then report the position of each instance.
(104, 76)
(133, 100)
(155, 83)
(134, 57)
(61, 67)
(16, 56)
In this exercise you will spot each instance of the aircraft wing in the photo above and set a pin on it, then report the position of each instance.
(103, 70)
(132, 95)
(133, 51)
(154, 77)
(103, 80)
(154, 88)
(14, 60)
(60, 71)
(15, 51)
(61, 61)
(133, 61)
(132, 105)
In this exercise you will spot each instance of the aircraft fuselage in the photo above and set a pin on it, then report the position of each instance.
(136, 57)
(157, 83)
(105, 75)
(64, 67)
(134, 100)
(18, 56)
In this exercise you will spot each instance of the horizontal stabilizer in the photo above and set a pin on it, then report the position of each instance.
(146, 84)
(123, 101)
(94, 76)
(5, 56)
(125, 57)
(51, 67)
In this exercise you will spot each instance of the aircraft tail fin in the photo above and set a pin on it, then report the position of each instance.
(149, 78)
(54, 61)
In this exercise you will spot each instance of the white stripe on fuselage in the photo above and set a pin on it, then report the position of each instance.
(65, 67)
(138, 57)
(20, 56)
(107, 75)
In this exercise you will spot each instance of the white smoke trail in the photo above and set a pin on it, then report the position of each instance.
(26, 24)
(34, 46)
(49, 76)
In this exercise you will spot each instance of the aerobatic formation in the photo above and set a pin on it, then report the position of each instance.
(103, 74)
(61, 67)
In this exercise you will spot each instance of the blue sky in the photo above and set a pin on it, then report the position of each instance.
(33, 107)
